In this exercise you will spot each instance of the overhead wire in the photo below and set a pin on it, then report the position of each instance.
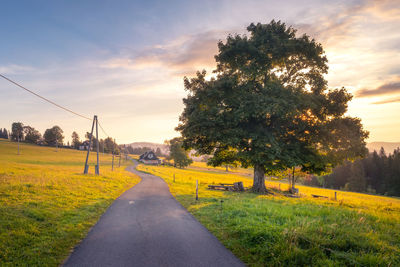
(45, 99)
(51, 102)
(103, 129)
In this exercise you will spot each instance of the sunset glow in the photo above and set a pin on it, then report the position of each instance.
(126, 61)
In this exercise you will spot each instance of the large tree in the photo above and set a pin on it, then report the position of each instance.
(269, 106)
(54, 136)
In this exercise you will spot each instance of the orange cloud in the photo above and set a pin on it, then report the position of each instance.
(385, 89)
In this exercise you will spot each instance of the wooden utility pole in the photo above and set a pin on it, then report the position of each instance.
(85, 171)
(112, 164)
(97, 171)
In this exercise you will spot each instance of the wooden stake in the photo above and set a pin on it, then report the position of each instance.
(335, 196)
(197, 189)
(174, 177)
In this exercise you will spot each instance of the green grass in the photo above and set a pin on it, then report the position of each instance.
(47, 205)
(274, 230)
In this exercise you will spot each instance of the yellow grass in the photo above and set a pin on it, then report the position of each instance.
(275, 230)
(47, 205)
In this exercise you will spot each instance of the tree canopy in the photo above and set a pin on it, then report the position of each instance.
(17, 131)
(31, 134)
(269, 106)
(54, 136)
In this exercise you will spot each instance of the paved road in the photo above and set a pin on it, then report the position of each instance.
(146, 226)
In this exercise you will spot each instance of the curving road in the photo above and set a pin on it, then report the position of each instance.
(146, 226)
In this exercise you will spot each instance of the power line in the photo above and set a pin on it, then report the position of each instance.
(51, 102)
(103, 130)
(45, 99)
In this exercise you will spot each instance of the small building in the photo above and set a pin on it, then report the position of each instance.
(84, 145)
(149, 157)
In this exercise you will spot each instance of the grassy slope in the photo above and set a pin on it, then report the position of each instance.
(356, 230)
(47, 205)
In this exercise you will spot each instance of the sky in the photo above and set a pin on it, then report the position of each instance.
(125, 60)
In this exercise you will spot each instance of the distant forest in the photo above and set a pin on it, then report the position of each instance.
(377, 173)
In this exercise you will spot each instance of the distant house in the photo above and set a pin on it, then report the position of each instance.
(84, 145)
(41, 142)
(149, 157)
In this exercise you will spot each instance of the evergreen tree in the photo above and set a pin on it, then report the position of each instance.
(75, 140)
(356, 180)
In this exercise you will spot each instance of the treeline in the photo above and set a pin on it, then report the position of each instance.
(54, 137)
(141, 150)
(107, 145)
(25, 133)
(4, 133)
(377, 173)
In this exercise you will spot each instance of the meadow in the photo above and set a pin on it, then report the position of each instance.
(277, 230)
(47, 205)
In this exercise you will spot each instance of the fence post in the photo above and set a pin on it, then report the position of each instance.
(197, 189)
(174, 177)
(335, 196)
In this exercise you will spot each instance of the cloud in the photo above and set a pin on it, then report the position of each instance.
(385, 89)
(388, 101)
(182, 56)
(348, 21)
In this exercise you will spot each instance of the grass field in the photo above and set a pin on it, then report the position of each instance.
(274, 230)
(47, 205)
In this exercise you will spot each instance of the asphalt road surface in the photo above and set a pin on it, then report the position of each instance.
(146, 226)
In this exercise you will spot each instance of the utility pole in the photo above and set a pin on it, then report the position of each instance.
(18, 144)
(119, 162)
(90, 143)
(97, 146)
(112, 164)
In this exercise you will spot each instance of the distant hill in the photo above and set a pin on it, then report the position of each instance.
(153, 146)
(388, 146)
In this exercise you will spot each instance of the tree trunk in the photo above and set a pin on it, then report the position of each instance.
(259, 180)
(226, 168)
